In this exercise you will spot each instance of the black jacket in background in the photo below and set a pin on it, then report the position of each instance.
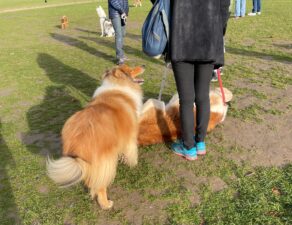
(196, 30)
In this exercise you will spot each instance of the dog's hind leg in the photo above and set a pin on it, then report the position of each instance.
(131, 153)
(103, 200)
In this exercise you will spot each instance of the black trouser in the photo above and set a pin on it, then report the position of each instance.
(193, 85)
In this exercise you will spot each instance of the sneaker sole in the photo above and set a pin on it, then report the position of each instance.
(186, 157)
(191, 158)
(201, 152)
(178, 154)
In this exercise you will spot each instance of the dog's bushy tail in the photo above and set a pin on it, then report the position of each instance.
(66, 171)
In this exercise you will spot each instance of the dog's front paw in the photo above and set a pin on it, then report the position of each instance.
(108, 205)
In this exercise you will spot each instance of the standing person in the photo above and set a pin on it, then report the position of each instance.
(118, 13)
(256, 10)
(240, 6)
(196, 46)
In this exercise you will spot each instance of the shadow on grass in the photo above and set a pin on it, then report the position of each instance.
(8, 209)
(59, 73)
(86, 31)
(285, 46)
(270, 57)
(105, 42)
(136, 37)
(71, 87)
(128, 35)
(128, 50)
(81, 45)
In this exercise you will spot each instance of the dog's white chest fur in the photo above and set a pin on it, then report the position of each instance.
(136, 96)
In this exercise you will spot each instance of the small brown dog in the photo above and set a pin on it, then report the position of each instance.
(64, 22)
(137, 3)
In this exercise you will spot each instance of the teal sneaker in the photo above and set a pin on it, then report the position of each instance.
(201, 148)
(179, 149)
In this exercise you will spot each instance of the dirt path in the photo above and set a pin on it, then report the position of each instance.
(44, 6)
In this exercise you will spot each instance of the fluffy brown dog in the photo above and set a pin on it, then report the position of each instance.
(64, 22)
(160, 123)
(95, 137)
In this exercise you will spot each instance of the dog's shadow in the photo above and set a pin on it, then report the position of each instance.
(9, 211)
(71, 89)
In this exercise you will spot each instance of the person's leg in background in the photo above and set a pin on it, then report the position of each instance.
(184, 78)
(254, 8)
(258, 7)
(203, 73)
(243, 6)
(124, 31)
(237, 8)
(119, 33)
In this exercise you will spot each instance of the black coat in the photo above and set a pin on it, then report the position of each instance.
(196, 30)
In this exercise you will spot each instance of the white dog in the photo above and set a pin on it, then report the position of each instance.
(106, 26)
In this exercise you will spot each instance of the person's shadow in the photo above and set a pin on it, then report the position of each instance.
(266, 56)
(8, 209)
(128, 49)
(71, 90)
(135, 37)
(81, 45)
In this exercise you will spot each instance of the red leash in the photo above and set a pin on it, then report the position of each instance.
(221, 86)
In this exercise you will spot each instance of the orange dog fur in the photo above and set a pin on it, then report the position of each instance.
(159, 123)
(64, 22)
(98, 135)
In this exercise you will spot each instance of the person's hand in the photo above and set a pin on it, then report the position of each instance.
(124, 16)
(124, 19)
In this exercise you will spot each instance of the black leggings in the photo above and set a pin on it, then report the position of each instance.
(193, 85)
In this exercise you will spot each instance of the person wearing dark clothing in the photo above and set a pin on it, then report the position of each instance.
(256, 10)
(118, 12)
(196, 47)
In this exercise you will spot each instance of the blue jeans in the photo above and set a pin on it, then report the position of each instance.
(240, 7)
(120, 32)
(256, 6)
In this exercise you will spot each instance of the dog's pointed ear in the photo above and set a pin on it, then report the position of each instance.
(132, 72)
(137, 70)
(117, 72)
(126, 69)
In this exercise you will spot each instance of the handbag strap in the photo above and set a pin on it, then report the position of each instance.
(162, 85)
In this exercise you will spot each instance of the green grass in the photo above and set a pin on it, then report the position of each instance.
(47, 74)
